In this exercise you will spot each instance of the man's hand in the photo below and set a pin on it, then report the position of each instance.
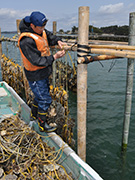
(59, 54)
(61, 44)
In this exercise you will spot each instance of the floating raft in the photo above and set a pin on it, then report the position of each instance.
(11, 104)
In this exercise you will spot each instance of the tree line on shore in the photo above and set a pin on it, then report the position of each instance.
(116, 30)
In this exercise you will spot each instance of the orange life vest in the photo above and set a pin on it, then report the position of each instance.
(42, 46)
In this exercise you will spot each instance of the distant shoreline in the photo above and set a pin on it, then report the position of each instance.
(9, 32)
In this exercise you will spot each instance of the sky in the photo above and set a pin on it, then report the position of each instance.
(102, 13)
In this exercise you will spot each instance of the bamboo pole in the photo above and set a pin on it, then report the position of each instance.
(118, 53)
(0, 46)
(97, 42)
(8, 39)
(54, 27)
(17, 24)
(1, 54)
(96, 58)
(125, 53)
(107, 42)
(99, 46)
(26, 84)
(82, 84)
(129, 84)
(117, 47)
(54, 63)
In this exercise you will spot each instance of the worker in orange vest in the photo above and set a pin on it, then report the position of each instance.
(34, 43)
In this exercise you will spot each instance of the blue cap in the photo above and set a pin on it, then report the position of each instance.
(36, 18)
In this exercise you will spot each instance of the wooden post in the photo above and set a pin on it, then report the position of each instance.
(83, 32)
(1, 53)
(129, 84)
(54, 63)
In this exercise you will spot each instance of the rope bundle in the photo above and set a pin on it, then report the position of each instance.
(24, 154)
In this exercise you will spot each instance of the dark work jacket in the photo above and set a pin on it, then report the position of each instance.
(29, 49)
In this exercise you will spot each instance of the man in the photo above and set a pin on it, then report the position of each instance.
(34, 43)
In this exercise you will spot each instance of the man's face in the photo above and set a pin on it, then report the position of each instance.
(37, 29)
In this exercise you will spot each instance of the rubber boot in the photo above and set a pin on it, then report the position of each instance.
(42, 123)
(34, 111)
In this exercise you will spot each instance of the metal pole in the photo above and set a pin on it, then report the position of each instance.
(129, 84)
(83, 32)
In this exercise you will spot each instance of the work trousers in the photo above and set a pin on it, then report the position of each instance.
(42, 97)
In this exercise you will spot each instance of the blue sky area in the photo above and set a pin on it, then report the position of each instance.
(102, 12)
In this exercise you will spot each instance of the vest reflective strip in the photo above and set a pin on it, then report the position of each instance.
(34, 36)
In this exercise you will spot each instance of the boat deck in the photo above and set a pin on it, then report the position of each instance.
(11, 104)
(6, 102)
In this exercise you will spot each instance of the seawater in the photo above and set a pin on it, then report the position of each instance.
(105, 114)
